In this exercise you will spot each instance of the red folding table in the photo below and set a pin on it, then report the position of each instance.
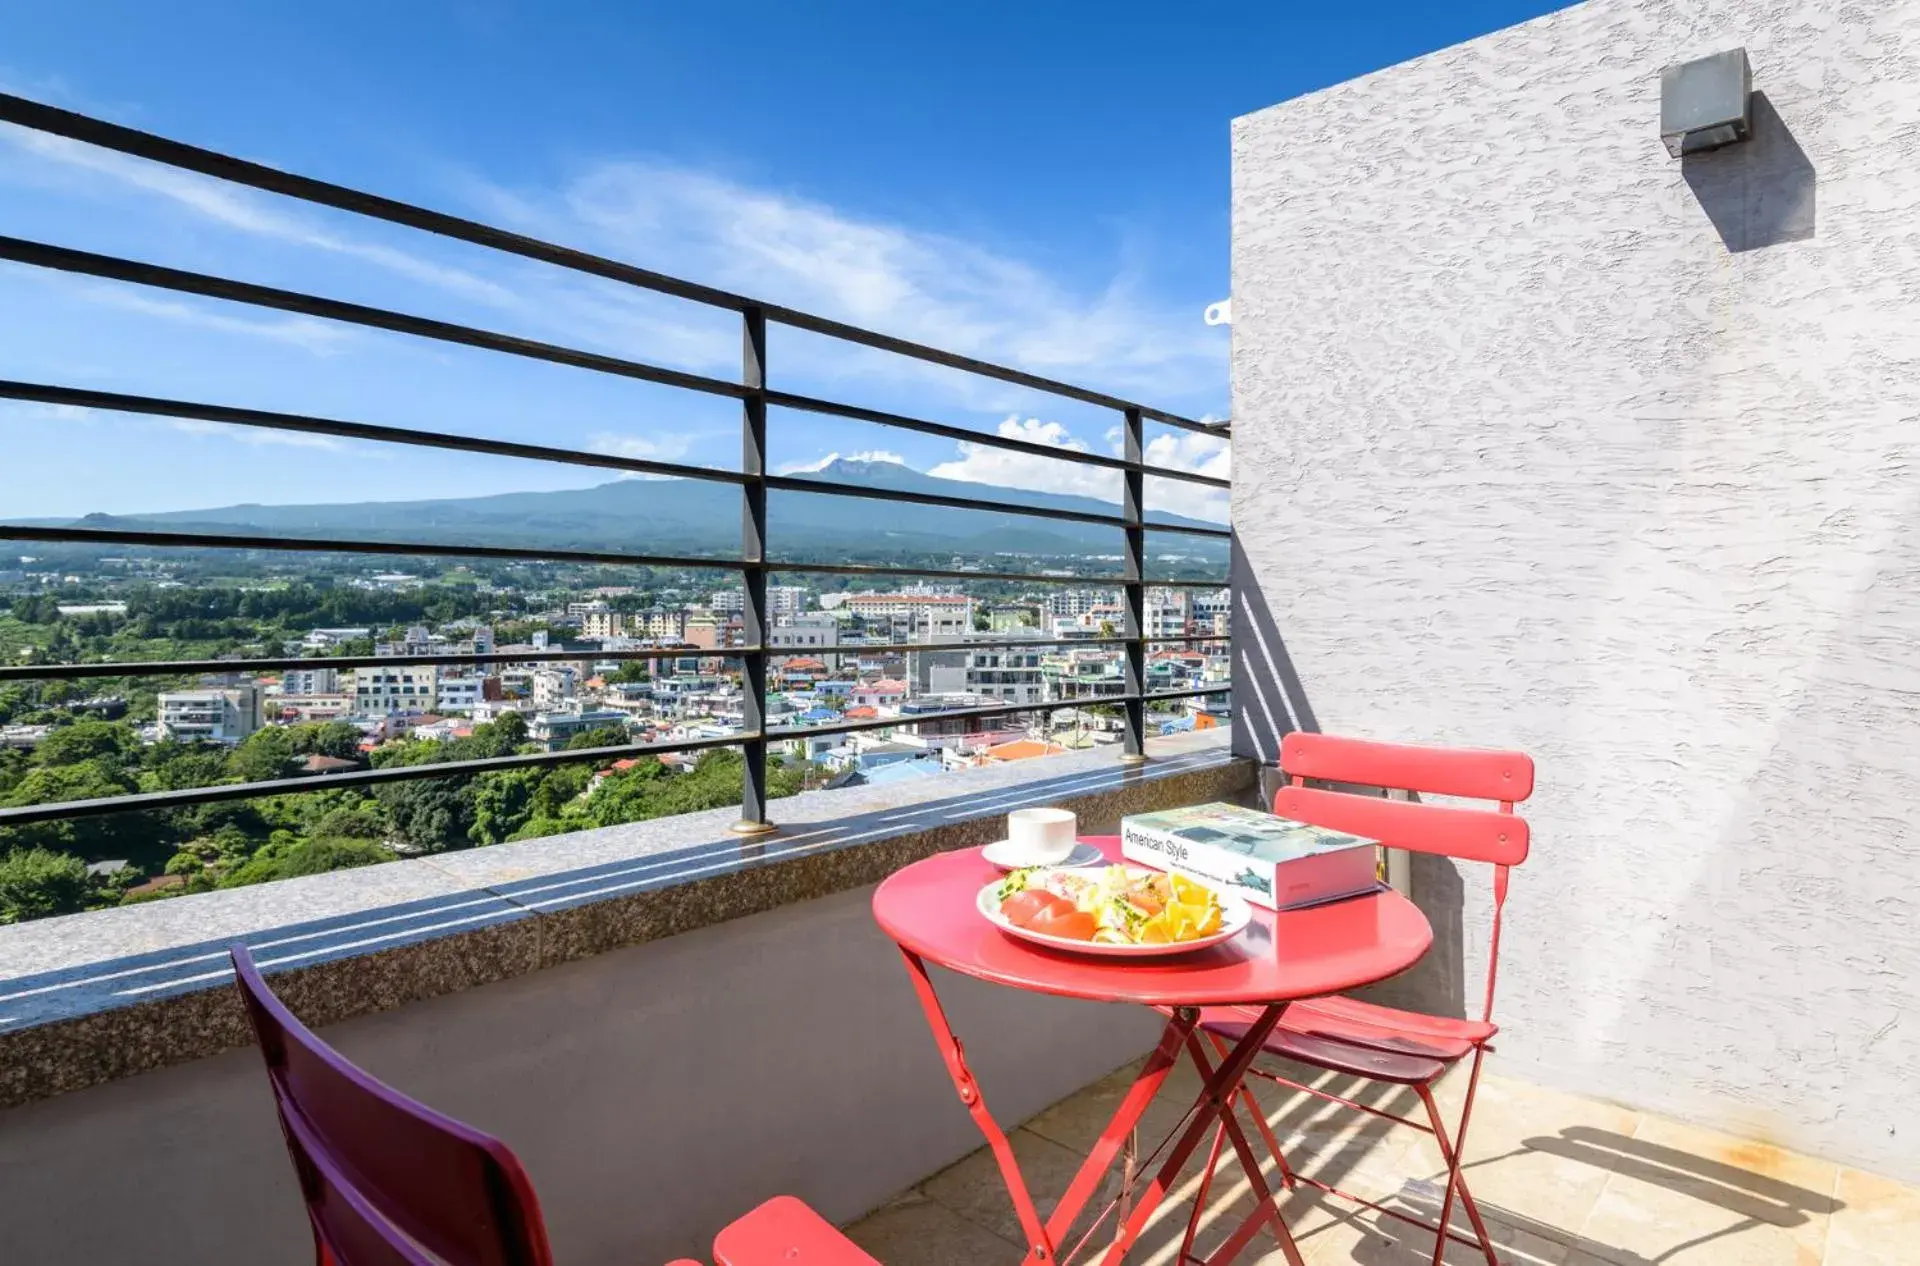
(929, 910)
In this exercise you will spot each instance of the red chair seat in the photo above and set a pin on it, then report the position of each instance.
(1363, 1039)
(785, 1232)
(1231, 1023)
(1387, 1028)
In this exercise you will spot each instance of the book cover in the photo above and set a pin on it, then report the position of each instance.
(1271, 861)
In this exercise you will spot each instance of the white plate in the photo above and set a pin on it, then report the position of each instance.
(1235, 914)
(1082, 855)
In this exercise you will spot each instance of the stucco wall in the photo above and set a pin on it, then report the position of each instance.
(1545, 439)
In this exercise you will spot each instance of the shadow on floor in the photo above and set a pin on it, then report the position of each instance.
(1751, 1195)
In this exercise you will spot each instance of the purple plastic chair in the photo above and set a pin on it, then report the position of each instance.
(391, 1182)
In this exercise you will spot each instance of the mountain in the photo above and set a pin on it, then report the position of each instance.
(694, 516)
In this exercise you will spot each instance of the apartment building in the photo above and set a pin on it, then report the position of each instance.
(402, 688)
(921, 615)
(660, 624)
(459, 694)
(310, 681)
(1072, 604)
(601, 625)
(553, 686)
(1168, 612)
(1007, 675)
(222, 715)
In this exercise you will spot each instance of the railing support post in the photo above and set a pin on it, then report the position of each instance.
(753, 575)
(1134, 512)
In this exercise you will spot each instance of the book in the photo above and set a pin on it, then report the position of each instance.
(1271, 861)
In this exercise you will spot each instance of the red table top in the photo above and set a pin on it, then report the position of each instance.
(928, 908)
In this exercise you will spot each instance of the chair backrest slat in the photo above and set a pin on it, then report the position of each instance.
(1476, 835)
(387, 1181)
(1436, 771)
(1469, 834)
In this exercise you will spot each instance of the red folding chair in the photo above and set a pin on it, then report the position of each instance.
(390, 1182)
(1363, 1039)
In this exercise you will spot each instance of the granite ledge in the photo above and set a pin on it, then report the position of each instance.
(91, 998)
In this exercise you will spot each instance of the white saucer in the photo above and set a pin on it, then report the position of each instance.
(1082, 855)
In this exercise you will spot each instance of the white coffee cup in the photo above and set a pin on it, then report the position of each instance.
(1040, 837)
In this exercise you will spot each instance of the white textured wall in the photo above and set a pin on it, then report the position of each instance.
(1544, 439)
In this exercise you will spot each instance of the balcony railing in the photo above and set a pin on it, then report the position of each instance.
(754, 564)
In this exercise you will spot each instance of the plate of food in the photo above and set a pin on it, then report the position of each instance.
(1114, 911)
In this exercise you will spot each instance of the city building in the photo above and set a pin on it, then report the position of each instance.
(939, 672)
(814, 631)
(1085, 674)
(553, 685)
(728, 601)
(661, 624)
(223, 715)
(1014, 618)
(459, 694)
(924, 616)
(885, 694)
(314, 707)
(310, 681)
(403, 688)
(1168, 612)
(581, 610)
(1068, 603)
(327, 639)
(706, 631)
(785, 601)
(417, 640)
(1009, 675)
(600, 625)
(556, 729)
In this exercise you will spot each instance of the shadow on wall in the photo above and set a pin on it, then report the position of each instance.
(1269, 702)
(1760, 192)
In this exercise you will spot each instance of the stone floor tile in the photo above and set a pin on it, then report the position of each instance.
(916, 1231)
(1876, 1221)
(1537, 1159)
(1370, 1239)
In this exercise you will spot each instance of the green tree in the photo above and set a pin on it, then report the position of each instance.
(309, 857)
(86, 740)
(264, 755)
(600, 736)
(37, 882)
(93, 838)
(502, 803)
(335, 738)
(430, 815)
(174, 766)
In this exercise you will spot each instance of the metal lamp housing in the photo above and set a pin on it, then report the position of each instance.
(1705, 104)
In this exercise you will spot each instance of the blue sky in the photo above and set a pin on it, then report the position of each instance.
(1040, 184)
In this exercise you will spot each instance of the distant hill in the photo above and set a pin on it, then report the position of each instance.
(693, 516)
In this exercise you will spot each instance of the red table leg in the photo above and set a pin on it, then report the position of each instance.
(1042, 1240)
(1269, 1211)
(1213, 1101)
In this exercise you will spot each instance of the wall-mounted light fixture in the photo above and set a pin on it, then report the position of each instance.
(1704, 104)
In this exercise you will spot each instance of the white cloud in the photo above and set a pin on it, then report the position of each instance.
(1174, 450)
(667, 446)
(319, 337)
(256, 436)
(987, 464)
(926, 286)
(235, 207)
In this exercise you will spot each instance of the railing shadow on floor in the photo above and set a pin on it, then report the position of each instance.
(1754, 1198)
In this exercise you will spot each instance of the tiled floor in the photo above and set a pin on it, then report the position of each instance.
(1563, 1181)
